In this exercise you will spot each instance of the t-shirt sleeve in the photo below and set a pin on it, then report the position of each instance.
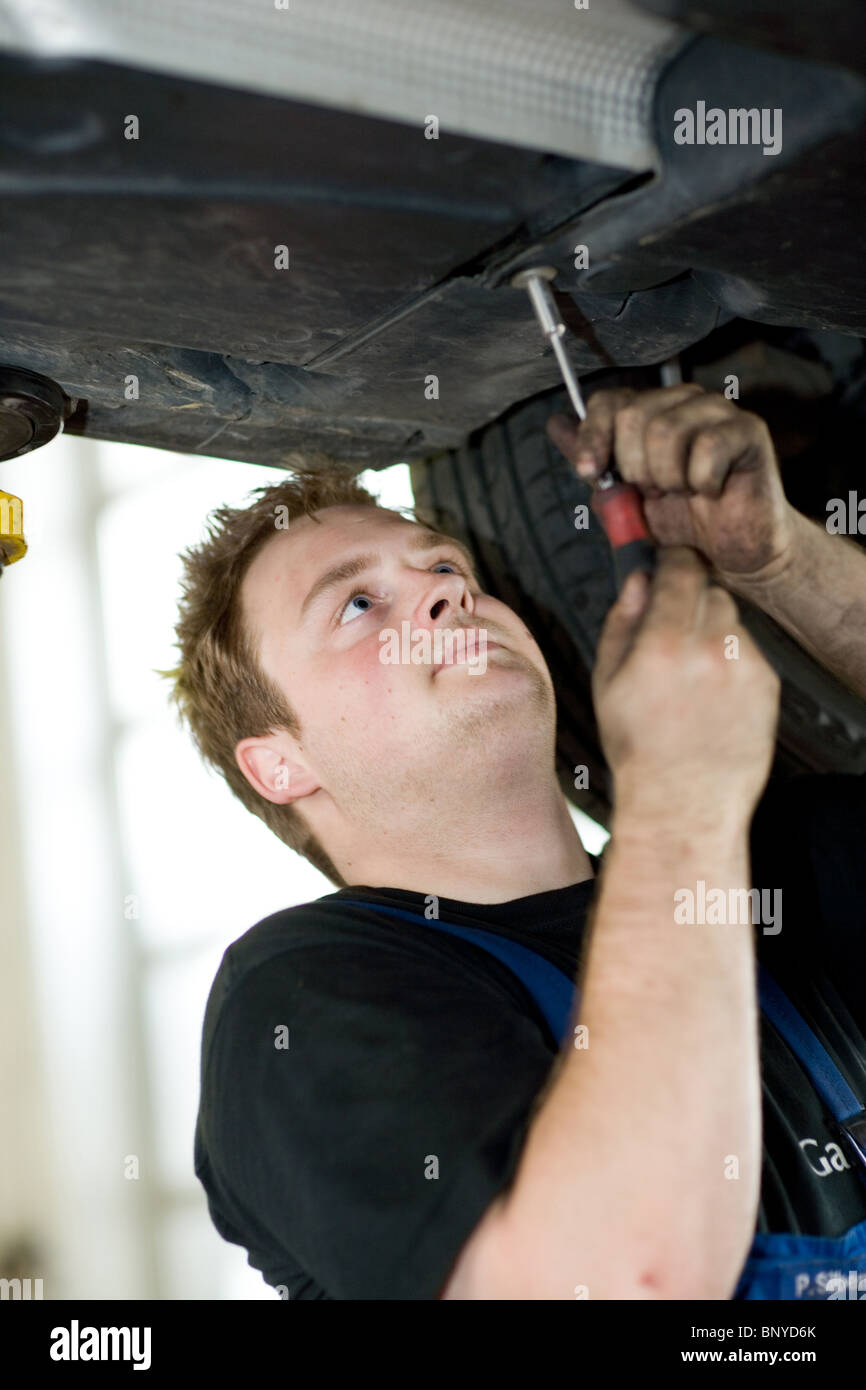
(365, 1108)
(809, 840)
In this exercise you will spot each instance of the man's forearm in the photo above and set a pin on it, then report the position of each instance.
(625, 1183)
(819, 597)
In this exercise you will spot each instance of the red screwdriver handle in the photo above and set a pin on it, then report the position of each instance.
(619, 508)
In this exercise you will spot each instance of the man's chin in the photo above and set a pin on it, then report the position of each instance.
(503, 688)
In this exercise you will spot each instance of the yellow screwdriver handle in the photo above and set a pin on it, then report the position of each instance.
(12, 542)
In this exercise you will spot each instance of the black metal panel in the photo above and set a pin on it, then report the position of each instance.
(153, 260)
(833, 31)
(774, 238)
(155, 257)
(170, 238)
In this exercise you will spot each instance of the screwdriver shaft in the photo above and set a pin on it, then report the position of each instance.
(553, 328)
(617, 504)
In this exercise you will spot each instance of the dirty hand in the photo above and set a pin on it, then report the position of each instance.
(686, 703)
(706, 469)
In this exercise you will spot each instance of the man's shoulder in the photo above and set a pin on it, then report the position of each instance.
(340, 950)
(322, 922)
(285, 929)
(304, 936)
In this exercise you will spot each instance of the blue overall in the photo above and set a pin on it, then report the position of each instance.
(779, 1266)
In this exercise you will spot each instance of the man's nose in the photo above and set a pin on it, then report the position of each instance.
(440, 600)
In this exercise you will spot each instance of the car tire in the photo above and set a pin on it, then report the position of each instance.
(511, 497)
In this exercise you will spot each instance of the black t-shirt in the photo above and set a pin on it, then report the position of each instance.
(367, 1082)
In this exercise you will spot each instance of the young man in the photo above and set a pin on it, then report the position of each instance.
(385, 1112)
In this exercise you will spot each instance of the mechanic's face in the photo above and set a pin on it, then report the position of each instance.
(376, 736)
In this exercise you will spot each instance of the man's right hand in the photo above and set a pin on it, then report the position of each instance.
(687, 705)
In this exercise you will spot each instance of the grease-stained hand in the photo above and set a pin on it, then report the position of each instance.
(706, 468)
(682, 725)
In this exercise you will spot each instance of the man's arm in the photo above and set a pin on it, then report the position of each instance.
(819, 597)
(710, 479)
(624, 1184)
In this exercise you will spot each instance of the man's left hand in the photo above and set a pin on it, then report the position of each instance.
(707, 471)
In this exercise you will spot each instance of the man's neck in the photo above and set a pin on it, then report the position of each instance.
(512, 851)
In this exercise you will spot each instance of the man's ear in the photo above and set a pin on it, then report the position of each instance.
(276, 768)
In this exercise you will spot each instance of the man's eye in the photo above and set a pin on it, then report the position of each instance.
(360, 593)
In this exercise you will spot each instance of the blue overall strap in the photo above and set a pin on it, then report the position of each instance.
(826, 1077)
(556, 997)
(780, 1266)
(849, 1114)
(550, 987)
